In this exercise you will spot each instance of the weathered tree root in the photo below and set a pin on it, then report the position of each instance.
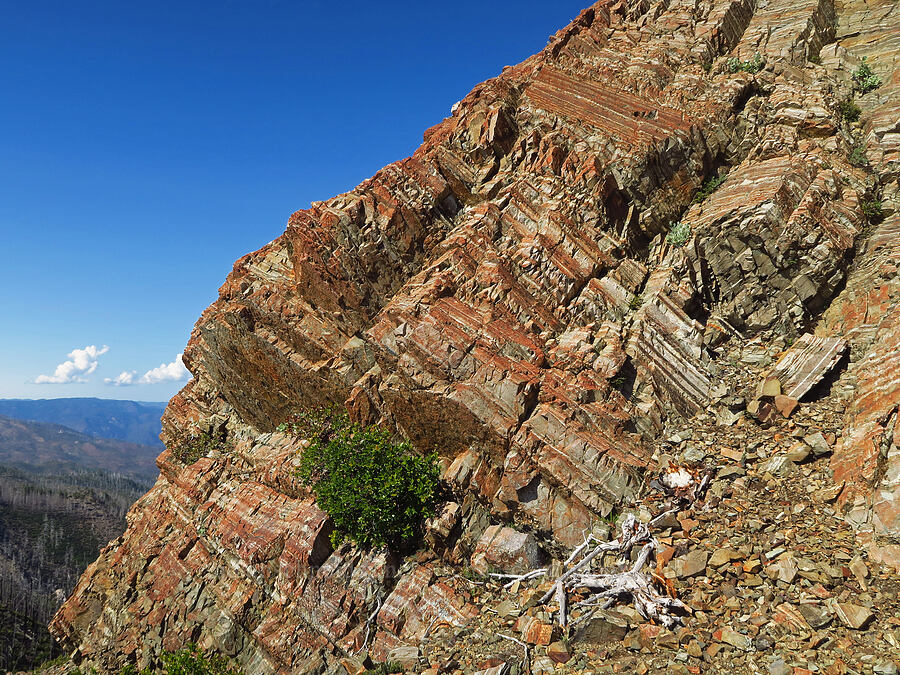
(632, 583)
(513, 578)
(636, 584)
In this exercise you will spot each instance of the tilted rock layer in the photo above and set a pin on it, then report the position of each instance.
(517, 297)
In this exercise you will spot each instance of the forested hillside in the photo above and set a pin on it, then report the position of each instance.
(52, 525)
(63, 497)
(50, 447)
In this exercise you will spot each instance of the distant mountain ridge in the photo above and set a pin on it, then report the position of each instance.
(132, 421)
(43, 446)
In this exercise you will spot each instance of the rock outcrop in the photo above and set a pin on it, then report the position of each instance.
(538, 296)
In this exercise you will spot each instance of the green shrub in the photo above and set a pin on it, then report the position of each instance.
(387, 668)
(850, 111)
(708, 187)
(679, 234)
(191, 661)
(611, 518)
(188, 661)
(754, 65)
(872, 209)
(375, 490)
(857, 156)
(60, 660)
(195, 447)
(865, 79)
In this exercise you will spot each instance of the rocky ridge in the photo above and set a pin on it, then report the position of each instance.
(537, 295)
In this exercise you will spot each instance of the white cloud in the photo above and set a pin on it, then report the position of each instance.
(123, 379)
(166, 372)
(81, 362)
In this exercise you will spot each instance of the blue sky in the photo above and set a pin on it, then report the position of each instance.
(146, 146)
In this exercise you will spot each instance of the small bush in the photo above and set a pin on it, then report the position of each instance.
(679, 234)
(195, 447)
(857, 156)
(376, 491)
(477, 577)
(710, 186)
(60, 660)
(385, 669)
(850, 111)
(191, 661)
(611, 518)
(188, 661)
(872, 209)
(754, 65)
(636, 301)
(865, 80)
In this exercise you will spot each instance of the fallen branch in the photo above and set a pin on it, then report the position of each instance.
(519, 577)
(524, 646)
(561, 601)
(639, 586)
(633, 531)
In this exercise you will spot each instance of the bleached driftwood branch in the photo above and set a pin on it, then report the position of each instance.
(633, 583)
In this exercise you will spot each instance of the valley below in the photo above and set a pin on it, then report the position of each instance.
(63, 497)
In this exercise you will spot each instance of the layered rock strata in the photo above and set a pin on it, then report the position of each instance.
(513, 297)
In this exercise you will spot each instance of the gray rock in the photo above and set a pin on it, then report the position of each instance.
(779, 667)
(763, 643)
(784, 570)
(853, 616)
(818, 444)
(507, 550)
(603, 628)
(691, 564)
(405, 655)
(735, 639)
(780, 466)
(693, 455)
(799, 453)
(816, 616)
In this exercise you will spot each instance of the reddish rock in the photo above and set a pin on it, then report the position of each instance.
(785, 405)
(792, 618)
(648, 633)
(534, 631)
(505, 550)
(558, 652)
(868, 314)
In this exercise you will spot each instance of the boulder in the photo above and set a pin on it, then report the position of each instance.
(503, 549)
